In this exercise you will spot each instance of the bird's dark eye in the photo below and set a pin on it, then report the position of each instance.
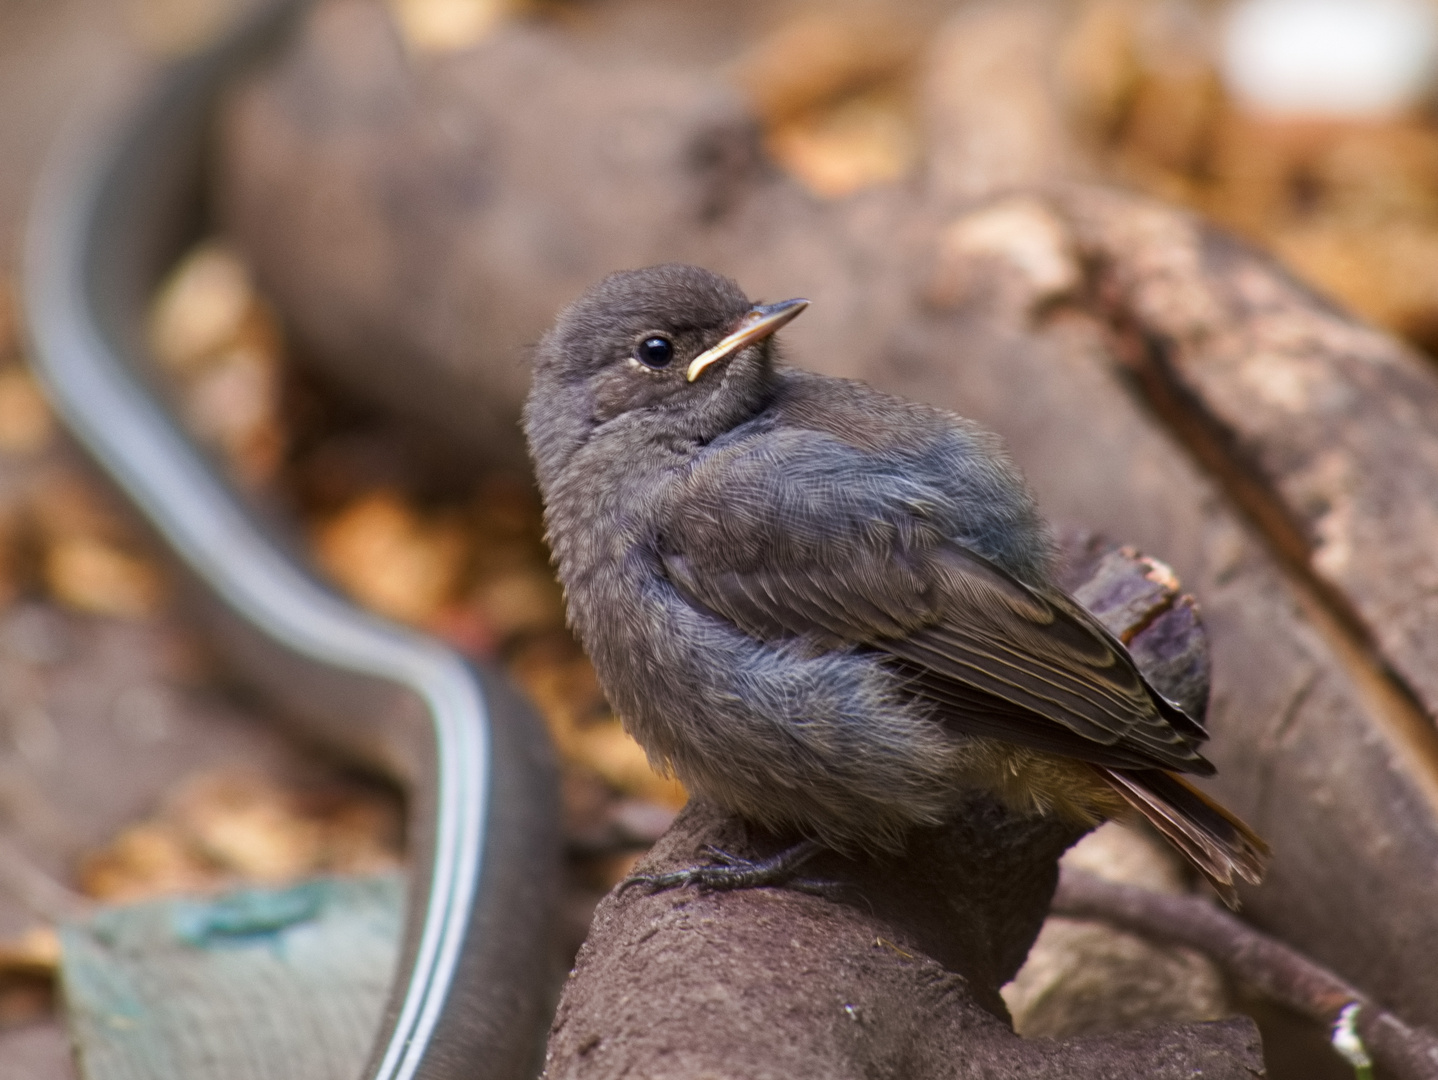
(655, 352)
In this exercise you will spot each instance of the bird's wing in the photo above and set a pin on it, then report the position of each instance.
(1044, 653)
(784, 553)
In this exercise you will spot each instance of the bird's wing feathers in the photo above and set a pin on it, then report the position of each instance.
(1044, 653)
(866, 567)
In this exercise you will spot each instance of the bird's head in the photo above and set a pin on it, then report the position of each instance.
(677, 349)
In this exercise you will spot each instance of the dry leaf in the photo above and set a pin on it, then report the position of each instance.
(614, 755)
(92, 575)
(233, 404)
(817, 57)
(561, 682)
(9, 320)
(384, 553)
(12, 562)
(26, 425)
(526, 600)
(442, 26)
(223, 346)
(1384, 272)
(201, 307)
(64, 503)
(1098, 67)
(862, 141)
(84, 557)
(229, 827)
(35, 952)
(831, 89)
(149, 859)
(248, 827)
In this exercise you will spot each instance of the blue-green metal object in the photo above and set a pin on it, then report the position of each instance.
(117, 202)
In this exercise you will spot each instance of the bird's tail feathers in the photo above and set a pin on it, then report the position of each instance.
(1216, 842)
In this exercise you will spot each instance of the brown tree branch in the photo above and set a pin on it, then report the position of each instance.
(1262, 963)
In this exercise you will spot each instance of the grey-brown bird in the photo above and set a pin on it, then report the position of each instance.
(826, 609)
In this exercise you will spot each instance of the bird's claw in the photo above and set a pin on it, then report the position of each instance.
(727, 859)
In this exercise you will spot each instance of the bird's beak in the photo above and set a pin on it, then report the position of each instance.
(758, 323)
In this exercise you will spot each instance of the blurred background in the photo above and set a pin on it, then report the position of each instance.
(132, 768)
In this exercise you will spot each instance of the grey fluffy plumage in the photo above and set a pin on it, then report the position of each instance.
(825, 608)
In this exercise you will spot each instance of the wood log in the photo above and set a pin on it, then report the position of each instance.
(1325, 430)
(1331, 760)
(1306, 749)
(778, 983)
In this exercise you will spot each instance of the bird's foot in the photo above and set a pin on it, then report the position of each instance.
(728, 871)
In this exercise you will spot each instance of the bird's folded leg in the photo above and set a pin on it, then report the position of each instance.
(728, 871)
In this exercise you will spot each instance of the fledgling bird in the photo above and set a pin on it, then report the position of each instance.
(824, 608)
